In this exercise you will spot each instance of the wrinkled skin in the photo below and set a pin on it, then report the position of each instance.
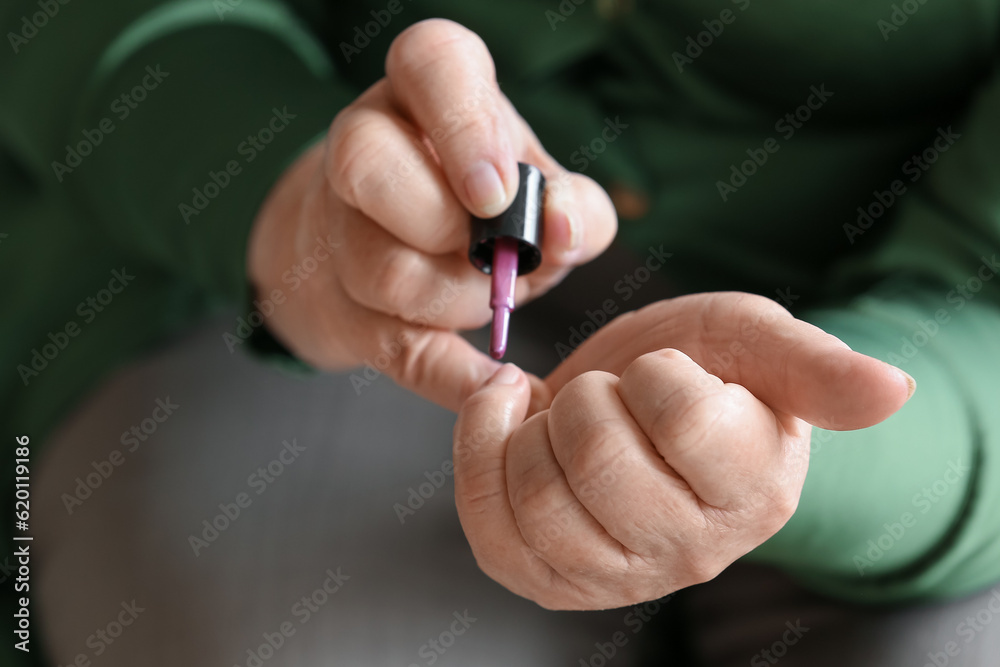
(671, 443)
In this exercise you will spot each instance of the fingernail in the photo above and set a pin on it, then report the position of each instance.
(567, 234)
(575, 231)
(910, 382)
(485, 190)
(508, 374)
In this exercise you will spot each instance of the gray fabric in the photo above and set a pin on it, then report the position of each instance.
(332, 508)
(750, 609)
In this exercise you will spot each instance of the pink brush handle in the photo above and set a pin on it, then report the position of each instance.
(502, 295)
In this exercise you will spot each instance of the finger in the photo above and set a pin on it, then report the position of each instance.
(378, 163)
(728, 446)
(580, 220)
(383, 274)
(615, 470)
(442, 76)
(574, 206)
(435, 363)
(482, 432)
(790, 365)
(552, 521)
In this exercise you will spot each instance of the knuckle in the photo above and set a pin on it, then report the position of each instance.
(440, 238)
(395, 283)
(473, 125)
(581, 389)
(682, 416)
(652, 363)
(781, 505)
(648, 369)
(689, 417)
(351, 155)
(765, 310)
(540, 516)
(702, 566)
(417, 360)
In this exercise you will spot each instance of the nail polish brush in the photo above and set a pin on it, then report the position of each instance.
(509, 246)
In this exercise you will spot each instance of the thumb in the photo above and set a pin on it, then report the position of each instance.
(485, 424)
(790, 365)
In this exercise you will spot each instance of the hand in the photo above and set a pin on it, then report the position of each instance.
(380, 212)
(676, 442)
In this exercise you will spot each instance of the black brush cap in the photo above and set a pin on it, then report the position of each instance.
(523, 221)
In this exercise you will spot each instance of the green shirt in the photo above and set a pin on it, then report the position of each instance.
(839, 157)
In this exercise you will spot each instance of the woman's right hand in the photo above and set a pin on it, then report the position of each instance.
(382, 208)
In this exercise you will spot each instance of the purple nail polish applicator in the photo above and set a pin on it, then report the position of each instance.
(509, 246)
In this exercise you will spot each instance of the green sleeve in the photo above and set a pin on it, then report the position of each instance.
(911, 507)
(112, 115)
(181, 177)
(170, 126)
